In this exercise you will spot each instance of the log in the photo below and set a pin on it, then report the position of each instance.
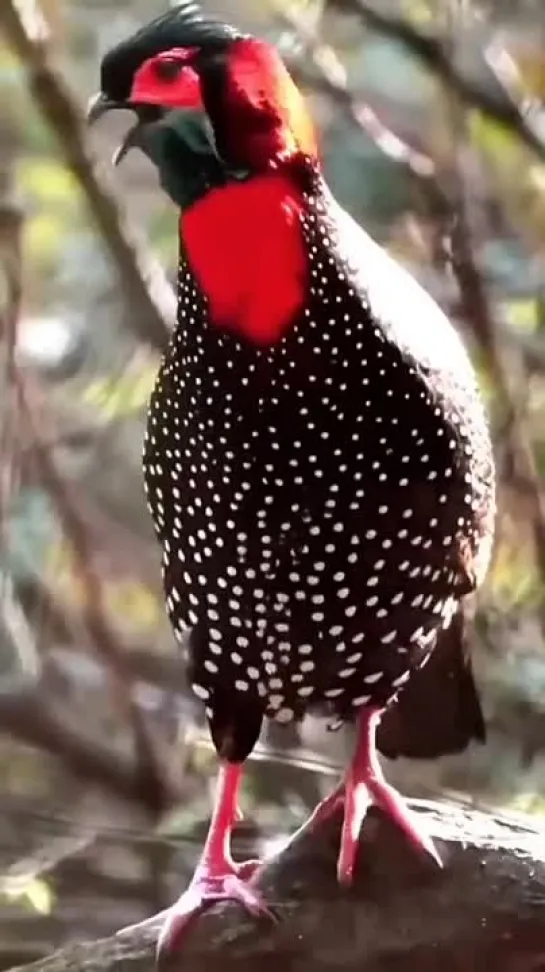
(485, 910)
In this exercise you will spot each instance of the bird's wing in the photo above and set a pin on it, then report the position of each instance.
(439, 712)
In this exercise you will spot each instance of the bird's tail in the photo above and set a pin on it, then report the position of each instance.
(439, 712)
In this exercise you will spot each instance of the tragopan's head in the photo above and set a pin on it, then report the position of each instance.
(187, 61)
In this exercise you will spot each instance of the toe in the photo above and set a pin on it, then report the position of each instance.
(204, 892)
(394, 806)
(246, 870)
(177, 922)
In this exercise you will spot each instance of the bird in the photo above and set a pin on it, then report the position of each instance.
(317, 461)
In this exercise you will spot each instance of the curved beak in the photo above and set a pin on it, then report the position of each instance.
(98, 105)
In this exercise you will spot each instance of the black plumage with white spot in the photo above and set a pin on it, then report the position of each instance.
(322, 504)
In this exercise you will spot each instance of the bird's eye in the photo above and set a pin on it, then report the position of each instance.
(168, 69)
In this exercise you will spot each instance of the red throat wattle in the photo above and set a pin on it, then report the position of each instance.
(244, 241)
(245, 246)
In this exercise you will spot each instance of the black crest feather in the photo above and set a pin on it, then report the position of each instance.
(185, 25)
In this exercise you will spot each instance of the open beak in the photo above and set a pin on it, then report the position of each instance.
(146, 114)
(135, 137)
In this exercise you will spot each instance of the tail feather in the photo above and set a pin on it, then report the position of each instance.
(439, 713)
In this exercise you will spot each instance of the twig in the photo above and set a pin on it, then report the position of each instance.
(29, 716)
(152, 765)
(42, 861)
(143, 664)
(152, 768)
(11, 286)
(146, 288)
(435, 55)
(477, 314)
(329, 77)
(453, 212)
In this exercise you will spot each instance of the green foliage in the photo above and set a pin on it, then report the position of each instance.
(514, 176)
(54, 207)
(11, 73)
(119, 396)
(372, 186)
(48, 182)
(522, 314)
(135, 603)
(483, 376)
(493, 138)
(419, 12)
(163, 233)
(18, 110)
(129, 602)
(30, 891)
(526, 802)
(29, 531)
(540, 458)
(513, 577)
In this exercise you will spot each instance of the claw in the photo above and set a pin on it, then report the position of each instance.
(217, 877)
(356, 805)
(204, 891)
(393, 805)
(246, 870)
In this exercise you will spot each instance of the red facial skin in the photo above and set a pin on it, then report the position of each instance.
(152, 85)
(244, 240)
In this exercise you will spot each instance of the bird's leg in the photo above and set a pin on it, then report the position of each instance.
(217, 877)
(365, 785)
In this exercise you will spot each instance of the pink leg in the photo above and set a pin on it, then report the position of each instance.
(365, 785)
(217, 877)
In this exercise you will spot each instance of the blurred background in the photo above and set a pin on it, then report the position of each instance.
(432, 120)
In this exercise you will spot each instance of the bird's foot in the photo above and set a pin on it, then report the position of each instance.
(360, 794)
(364, 786)
(210, 884)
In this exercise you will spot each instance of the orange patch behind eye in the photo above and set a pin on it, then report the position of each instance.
(245, 246)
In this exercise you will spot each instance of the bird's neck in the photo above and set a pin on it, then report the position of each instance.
(245, 245)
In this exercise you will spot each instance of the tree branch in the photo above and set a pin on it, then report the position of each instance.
(435, 55)
(484, 910)
(329, 78)
(146, 288)
(30, 717)
(148, 748)
(456, 219)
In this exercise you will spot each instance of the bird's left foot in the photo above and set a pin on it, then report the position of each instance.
(363, 792)
(363, 787)
(208, 887)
